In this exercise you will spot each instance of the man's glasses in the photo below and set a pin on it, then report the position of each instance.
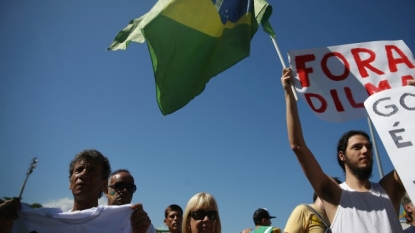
(201, 214)
(120, 186)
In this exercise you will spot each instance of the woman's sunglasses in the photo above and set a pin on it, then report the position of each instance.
(201, 214)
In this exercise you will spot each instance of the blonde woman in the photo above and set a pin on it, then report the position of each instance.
(201, 215)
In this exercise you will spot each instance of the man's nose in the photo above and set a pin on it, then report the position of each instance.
(84, 173)
(125, 191)
(365, 149)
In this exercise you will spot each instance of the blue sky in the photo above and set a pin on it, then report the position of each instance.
(61, 92)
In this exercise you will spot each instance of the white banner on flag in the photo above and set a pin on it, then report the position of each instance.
(392, 113)
(335, 81)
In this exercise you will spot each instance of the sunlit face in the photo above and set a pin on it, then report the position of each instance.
(174, 221)
(119, 196)
(86, 180)
(205, 225)
(358, 157)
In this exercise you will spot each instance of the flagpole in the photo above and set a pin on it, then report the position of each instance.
(29, 171)
(375, 147)
(283, 65)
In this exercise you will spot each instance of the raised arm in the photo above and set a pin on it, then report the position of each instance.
(326, 188)
(393, 186)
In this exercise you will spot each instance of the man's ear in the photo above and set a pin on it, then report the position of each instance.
(263, 221)
(341, 156)
(165, 222)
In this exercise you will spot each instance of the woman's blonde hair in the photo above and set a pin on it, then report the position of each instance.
(200, 201)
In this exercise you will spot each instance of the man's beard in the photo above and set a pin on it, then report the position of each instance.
(361, 173)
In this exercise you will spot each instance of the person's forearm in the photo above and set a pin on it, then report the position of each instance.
(295, 134)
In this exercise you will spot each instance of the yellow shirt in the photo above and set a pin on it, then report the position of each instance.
(302, 220)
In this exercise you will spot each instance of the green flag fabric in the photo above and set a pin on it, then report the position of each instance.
(191, 41)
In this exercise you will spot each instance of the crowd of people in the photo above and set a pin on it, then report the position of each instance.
(355, 205)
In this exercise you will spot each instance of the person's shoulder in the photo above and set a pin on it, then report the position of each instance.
(300, 208)
(300, 212)
(267, 229)
(260, 229)
(377, 188)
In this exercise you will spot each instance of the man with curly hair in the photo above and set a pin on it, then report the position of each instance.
(357, 205)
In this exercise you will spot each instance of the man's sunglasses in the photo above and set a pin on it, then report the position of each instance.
(120, 186)
(201, 214)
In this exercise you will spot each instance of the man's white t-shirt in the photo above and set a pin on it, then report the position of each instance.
(102, 219)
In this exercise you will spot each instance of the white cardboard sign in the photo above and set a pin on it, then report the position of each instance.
(393, 115)
(335, 81)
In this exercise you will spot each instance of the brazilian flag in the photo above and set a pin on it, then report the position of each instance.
(191, 41)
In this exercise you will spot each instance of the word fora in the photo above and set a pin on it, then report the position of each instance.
(363, 66)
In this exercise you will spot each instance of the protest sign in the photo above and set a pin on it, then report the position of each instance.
(335, 81)
(392, 113)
